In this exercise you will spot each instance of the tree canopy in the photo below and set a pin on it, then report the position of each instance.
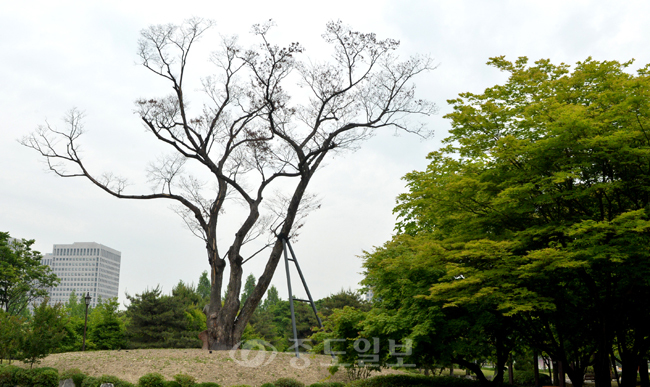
(538, 205)
(23, 278)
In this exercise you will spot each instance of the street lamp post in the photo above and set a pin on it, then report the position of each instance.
(87, 299)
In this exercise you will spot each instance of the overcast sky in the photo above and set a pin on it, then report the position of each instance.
(56, 55)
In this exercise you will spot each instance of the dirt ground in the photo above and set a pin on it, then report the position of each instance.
(224, 367)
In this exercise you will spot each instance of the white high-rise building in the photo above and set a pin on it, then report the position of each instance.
(85, 267)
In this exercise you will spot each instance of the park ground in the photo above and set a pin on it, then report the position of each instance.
(219, 366)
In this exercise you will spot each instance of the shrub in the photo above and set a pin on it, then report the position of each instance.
(207, 384)
(185, 380)
(90, 381)
(268, 385)
(171, 383)
(527, 378)
(75, 374)
(288, 382)
(327, 384)
(413, 381)
(8, 375)
(45, 378)
(152, 380)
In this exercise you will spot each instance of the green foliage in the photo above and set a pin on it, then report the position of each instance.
(413, 381)
(23, 278)
(203, 288)
(8, 375)
(171, 383)
(106, 330)
(207, 384)
(185, 380)
(327, 384)
(288, 382)
(75, 374)
(46, 378)
(249, 286)
(114, 380)
(36, 377)
(11, 335)
(44, 332)
(161, 321)
(151, 380)
(76, 306)
(343, 298)
(527, 378)
(268, 385)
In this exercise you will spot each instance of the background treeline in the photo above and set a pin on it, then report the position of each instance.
(152, 320)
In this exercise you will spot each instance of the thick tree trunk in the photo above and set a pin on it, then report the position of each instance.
(602, 370)
(628, 374)
(226, 323)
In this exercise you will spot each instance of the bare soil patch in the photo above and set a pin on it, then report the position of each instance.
(241, 367)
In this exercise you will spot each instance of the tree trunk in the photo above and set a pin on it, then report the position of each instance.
(602, 370)
(511, 373)
(643, 373)
(560, 373)
(475, 368)
(227, 323)
(628, 374)
(536, 369)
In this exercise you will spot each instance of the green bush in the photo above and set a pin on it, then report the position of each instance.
(171, 383)
(288, 382)
(8, 375)
(207, 384)
(268, 385)
(413, 381)
(90, 381)
(185, 380)
(45, 378)
(75, 374)
(241, 385)
(527, 378)
(153, 379)
(327, 384)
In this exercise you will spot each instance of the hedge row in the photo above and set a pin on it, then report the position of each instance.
(11, 376)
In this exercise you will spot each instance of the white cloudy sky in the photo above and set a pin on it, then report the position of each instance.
(56, 55)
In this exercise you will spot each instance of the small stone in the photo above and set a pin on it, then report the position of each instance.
(106, 385)
(66, 383)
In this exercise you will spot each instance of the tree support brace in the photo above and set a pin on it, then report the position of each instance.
(285, 244)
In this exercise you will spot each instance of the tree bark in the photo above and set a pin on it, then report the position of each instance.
(602, 370)
(643, 373)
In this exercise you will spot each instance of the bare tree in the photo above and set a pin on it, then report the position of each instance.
(250, 135)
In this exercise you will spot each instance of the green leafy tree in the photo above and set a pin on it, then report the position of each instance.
(540, 205)
(11, 336)
(203, 288)
(272, 297)
(249, 286)
(159, 321)
(343, 298)
(23, 279)
(106, 330)
(44, 332)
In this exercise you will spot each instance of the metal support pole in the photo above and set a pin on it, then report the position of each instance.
(293, 315)
(304, 283)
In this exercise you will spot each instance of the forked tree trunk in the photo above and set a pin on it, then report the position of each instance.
(226, 323)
